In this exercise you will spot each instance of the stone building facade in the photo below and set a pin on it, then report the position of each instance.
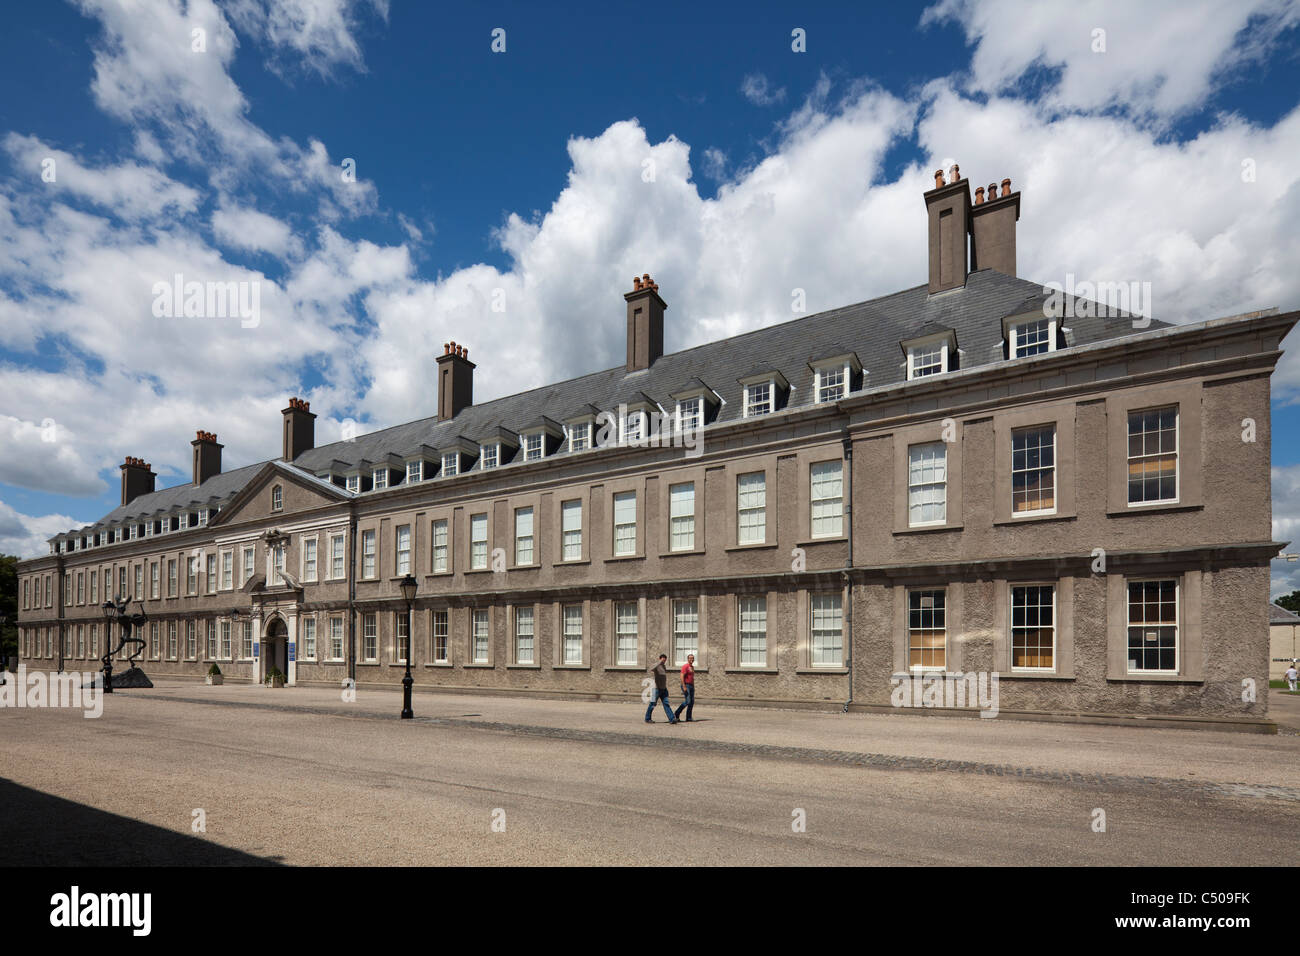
(974, 476)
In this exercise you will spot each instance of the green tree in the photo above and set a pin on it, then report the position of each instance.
(9, 605)
(1290, 601)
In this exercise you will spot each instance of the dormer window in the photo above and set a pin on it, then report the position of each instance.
(830, 384)
(690, 414)
(534, 446)
(580, 436)
(833, 376)
(932, 354)
(632, 425)
(489, 455)
(277, 498)
(354, 483)
(379, 479)
(758, 399)
(1033, 337)
(927, 360)
(451, 464)
(414, 471)
(203, 517)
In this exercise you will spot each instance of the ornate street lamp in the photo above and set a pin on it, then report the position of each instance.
(409, 586)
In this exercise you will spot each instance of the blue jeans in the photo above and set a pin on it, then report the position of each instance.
(660, 695)
(689, 702)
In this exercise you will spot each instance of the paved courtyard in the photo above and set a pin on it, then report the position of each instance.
(299, 776)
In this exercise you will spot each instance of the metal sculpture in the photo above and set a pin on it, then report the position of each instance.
(117, 611)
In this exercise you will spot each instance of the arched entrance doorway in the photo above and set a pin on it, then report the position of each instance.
(275, 647)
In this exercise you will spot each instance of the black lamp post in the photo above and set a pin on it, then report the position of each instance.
(409, 586)
(110, 615)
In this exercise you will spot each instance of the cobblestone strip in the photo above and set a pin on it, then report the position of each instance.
(1092, 781)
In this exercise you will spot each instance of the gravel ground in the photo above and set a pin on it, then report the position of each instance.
(299, 777)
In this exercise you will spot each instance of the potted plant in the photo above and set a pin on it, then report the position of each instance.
(214, 675)
(275, 677)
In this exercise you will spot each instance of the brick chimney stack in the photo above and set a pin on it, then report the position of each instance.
(137, 479)
(993, 229)
(207, 456)
(949, 209)
(645, 323)
(299, 429)
(455, 381)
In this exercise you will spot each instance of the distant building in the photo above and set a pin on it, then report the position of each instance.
(971, 475)
(1283, 643)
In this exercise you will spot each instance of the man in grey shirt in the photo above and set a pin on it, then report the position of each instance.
(661, 691)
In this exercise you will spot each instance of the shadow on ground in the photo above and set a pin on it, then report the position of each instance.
(39, 829)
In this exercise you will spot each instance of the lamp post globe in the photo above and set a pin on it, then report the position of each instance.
(408, 587)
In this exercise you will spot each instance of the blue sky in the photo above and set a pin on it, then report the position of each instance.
(522, 172)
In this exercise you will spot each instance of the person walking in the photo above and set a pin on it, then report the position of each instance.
(1292, 676)
(688, 688)
(661, 691)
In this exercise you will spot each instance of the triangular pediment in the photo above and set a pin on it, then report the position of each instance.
(299, 492)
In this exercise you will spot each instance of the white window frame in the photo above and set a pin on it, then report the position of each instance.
(750, 507)
(925, 348)
(354, 484)
(525, 634)
(821, 388)
(1012, 628)
(369, 554)
(310, 558)
(414, 471)
(308, 637)
(833, 502)
(1177, 625)
(440, 633)
(1051, 427)
(402, 551)
(1014, 334)
(686, 629)
(752, 405)
(627, 624)
(478, 546)
(534, 446)
(227, 571)
(338, 557)
(918, 467)
(277, 498)
(688, 420)
(440, 543)
(379, 479)
(583, 429)
(624, 545)
(489, 456)
(571, 530)
(821, 651)
(1177, 452)
(450, 464)
(907, 624)
(571, 627)
(525, 537)
(751, 641)
(480, 636)
(681, 516)
(370, 637)
(337, 649)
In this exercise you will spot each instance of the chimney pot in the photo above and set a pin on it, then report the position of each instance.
(993, 230)
(938, 178)
(955, 174)
(645, 323)
(455, 382)
(298, 431)
(979, 196)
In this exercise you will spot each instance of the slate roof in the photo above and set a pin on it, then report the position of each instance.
(1280, 615)
(872, 330)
